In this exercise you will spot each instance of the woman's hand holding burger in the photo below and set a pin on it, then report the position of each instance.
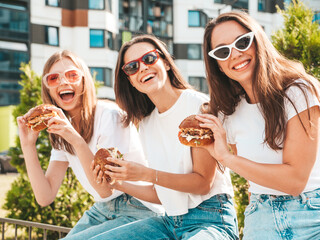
(219, 148)
(100, 178)
(109, 167)
(61, 126)
(35, 120)
(126, 170)
(27, 136)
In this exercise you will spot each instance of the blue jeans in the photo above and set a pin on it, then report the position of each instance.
(214, 218)
(283, 217)
(103, 216)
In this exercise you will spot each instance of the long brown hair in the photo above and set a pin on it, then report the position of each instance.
(273, 75)
(137, 104)
(88, 100)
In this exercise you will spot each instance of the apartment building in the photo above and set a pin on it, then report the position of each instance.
(32, 30)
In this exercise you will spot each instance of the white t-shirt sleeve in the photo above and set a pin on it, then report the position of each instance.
(297, 96)
(58, 155)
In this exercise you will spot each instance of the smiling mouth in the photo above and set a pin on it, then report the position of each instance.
(242, 65)
(144, 80)
(66, 95)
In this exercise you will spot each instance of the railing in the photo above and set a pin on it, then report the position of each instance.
(30, 225)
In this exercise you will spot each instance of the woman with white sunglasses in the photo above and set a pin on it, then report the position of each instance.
(197, 197)
(266, 108)
(83, 124)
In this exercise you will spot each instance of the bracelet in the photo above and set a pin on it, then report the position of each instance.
(156, 176)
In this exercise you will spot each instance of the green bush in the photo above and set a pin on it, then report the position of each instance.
(299, 39)
(71, 201)
(241, 198)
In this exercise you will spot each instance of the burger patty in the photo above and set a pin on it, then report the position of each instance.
(40, 118)
(197, 132)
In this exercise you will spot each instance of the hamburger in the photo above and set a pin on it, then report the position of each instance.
(191, 134)
(100, 158)
(37, 118)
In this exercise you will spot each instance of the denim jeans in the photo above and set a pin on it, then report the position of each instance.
(283, 217)
(214, 218)
(103, 216)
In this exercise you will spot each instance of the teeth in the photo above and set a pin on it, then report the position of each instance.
(65, 92)
(241, 65)
(147, 77)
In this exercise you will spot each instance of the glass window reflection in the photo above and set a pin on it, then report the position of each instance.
(96, 4)
(96, 38)
(194, 51)
(52, 36)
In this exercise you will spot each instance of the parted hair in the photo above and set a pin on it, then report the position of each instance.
(273, 75)
(87, 100)
(137, 104)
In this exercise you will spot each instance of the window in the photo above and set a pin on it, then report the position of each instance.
(96, 38)
(96, 4)
(316, 17)
(242, 4)
(197, 19)
(218, 1)
(52, 36)
(262, 5)
(10, 60)
(53, 3)
(194, 51)
(9, 97)
(110, 40)
(199, 83)
(13, 6)
(13, 20)
(103, 75)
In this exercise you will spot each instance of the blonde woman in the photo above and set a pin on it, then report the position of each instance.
(82, 124)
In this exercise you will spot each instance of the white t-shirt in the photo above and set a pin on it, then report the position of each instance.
(108, 132)
(246, 128)
(164, 152)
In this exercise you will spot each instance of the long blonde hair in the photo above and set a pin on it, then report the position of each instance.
(273, 75)
(88, 100)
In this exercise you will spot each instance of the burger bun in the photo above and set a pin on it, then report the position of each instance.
(191, 134)
(37, 118)
(100, 158)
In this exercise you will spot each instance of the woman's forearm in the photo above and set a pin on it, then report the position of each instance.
(190, 183)
(40, 184)
(145, 193)
(86, 156)
(281, 177)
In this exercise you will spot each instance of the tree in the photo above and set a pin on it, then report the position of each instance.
(71, 201)
(299, 38)
(241, 198)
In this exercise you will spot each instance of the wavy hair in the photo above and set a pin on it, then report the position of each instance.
(137, 104)
(273, 75)
(87, 99)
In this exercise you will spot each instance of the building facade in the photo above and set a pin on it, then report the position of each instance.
(32, 30)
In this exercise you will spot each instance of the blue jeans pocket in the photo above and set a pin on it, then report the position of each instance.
(251, 208)
(210, 205)
(136, 203)
(314, 203)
